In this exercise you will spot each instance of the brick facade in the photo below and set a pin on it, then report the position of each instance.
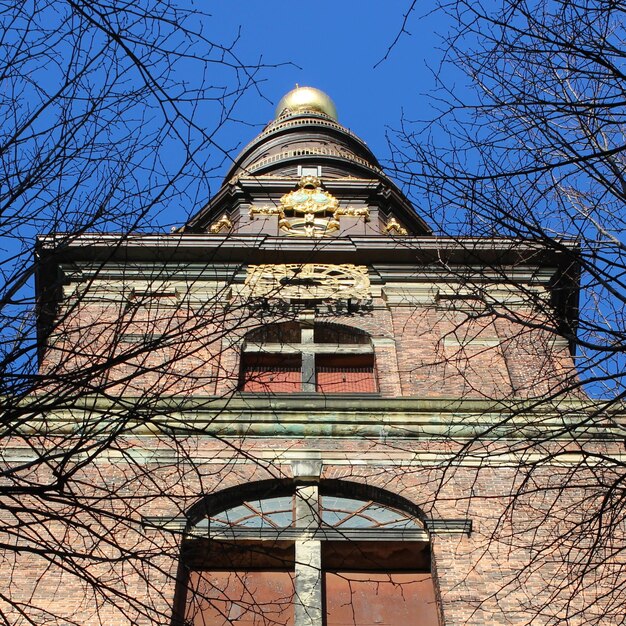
(477, 427)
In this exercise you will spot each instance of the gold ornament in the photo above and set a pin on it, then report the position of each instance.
(309, 198)
(393, 225)
(265, 210)
(308, 281)
(306, 99)
(363, 212)
(308, 211)
(222, 224)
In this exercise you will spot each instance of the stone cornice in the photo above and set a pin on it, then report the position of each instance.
(303, 416)
(473, 260)
(375, 249)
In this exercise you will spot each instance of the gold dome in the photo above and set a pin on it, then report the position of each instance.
(306, 99)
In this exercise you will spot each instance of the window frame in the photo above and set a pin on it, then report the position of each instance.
(312, 353)
(313, 551)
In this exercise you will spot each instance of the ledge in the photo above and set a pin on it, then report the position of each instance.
(347, 415)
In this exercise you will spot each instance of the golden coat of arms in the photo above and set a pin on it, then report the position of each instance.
(309, 210)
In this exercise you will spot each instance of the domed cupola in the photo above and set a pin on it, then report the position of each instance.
(306, 175)
(305, 132)
(306, 100)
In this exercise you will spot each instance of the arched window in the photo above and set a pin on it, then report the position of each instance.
(297, 357)
(308, 557)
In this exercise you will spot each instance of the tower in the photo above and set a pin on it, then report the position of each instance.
(312, 407)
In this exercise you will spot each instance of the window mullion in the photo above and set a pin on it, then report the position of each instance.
(308, 359)
(308, 568)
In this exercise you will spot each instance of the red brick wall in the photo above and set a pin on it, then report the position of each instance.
(424, 351)
(510, 565)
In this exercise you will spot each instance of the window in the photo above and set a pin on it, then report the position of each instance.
(309, 557)
(293, 357)
(310, 170)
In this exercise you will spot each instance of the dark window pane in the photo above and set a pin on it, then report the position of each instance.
(346, 374)
(270, 373)
(335, 334)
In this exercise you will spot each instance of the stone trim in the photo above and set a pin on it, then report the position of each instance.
(345, 415)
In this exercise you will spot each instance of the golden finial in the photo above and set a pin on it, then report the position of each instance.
(303, 99)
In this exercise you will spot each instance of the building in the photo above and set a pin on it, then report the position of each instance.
(304, 407)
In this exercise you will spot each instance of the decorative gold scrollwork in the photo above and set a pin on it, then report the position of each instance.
(265, 210)
(393, 226)
(309, 210)
(363, 212)
(222, 224)
(317, 281)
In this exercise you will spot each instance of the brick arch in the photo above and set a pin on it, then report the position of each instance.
(373, 325)
(354, 329)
